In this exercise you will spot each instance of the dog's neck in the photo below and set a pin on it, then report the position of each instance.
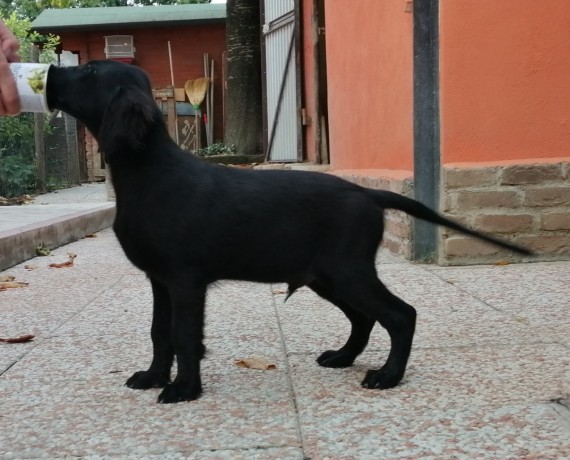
(122, 153)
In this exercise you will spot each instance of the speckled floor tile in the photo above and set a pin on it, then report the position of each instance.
(450, 378)
(453, 403)
(312, 325)
(232, 310)
(75, 403)
(271, 453)
(534, 431)
(10, 354)
(447, 316)
(53, 296)
(386, 257)
(116, 311)
(534, 294)
(65, 358)
(513, 288)
(241, 308)
(128, 424)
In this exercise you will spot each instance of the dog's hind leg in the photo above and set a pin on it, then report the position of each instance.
(364, 292)
(187, 330)
(360, 333)
(158, 374)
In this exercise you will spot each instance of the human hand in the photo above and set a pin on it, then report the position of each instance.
(9, 97)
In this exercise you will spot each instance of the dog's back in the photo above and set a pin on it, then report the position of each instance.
(241, 224)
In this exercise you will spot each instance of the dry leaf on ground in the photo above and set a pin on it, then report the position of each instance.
(91, 236)
(30, 267)
(5, 278)
(279, 291)
(521, 319)
(21, 339)
(15, 201)
(502, 262)
(12, 285)
(255, 363)
(67, 263)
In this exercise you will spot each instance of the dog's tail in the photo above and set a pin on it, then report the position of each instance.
(391, 200)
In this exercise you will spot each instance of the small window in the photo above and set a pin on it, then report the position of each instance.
(119, 46)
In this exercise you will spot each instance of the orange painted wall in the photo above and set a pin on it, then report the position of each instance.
(187, 43)
(505, 79)
(370, 78)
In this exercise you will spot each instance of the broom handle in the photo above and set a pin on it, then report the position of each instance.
(211, 116)
(172, 81)
(208, 140)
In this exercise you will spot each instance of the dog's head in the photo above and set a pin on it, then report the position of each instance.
(112, 99)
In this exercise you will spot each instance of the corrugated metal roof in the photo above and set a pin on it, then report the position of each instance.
(128, 16)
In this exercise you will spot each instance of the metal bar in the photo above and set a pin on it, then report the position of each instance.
(281, 21)
(427, 149)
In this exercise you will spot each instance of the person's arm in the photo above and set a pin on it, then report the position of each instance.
(9, 46)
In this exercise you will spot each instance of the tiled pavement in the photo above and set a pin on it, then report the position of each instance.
(489, 376)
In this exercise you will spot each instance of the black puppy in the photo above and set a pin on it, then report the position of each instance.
(187, 223)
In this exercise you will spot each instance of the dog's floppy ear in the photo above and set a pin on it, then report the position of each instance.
(126, 121)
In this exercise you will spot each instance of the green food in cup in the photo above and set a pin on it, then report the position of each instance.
(36, 80)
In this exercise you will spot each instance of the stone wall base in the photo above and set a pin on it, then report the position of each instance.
(526, 203)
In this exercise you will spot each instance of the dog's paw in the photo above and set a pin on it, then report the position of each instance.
(143, 380)
(179, 391)
(335, 358)
(381, 379)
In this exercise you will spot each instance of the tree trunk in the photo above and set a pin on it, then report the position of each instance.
(243, 109)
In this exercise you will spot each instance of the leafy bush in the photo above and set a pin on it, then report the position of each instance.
(17, 175)
(216, 149)
(17, 166)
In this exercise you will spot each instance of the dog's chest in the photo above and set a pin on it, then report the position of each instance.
(137, 244)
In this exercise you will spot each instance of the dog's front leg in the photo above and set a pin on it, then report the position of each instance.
(158, 374)
(186, 334)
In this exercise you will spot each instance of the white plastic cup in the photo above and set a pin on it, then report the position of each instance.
(31, 80)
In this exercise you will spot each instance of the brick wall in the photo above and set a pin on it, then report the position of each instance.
(526, 203)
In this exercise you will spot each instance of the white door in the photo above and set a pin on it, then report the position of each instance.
(283, 142)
